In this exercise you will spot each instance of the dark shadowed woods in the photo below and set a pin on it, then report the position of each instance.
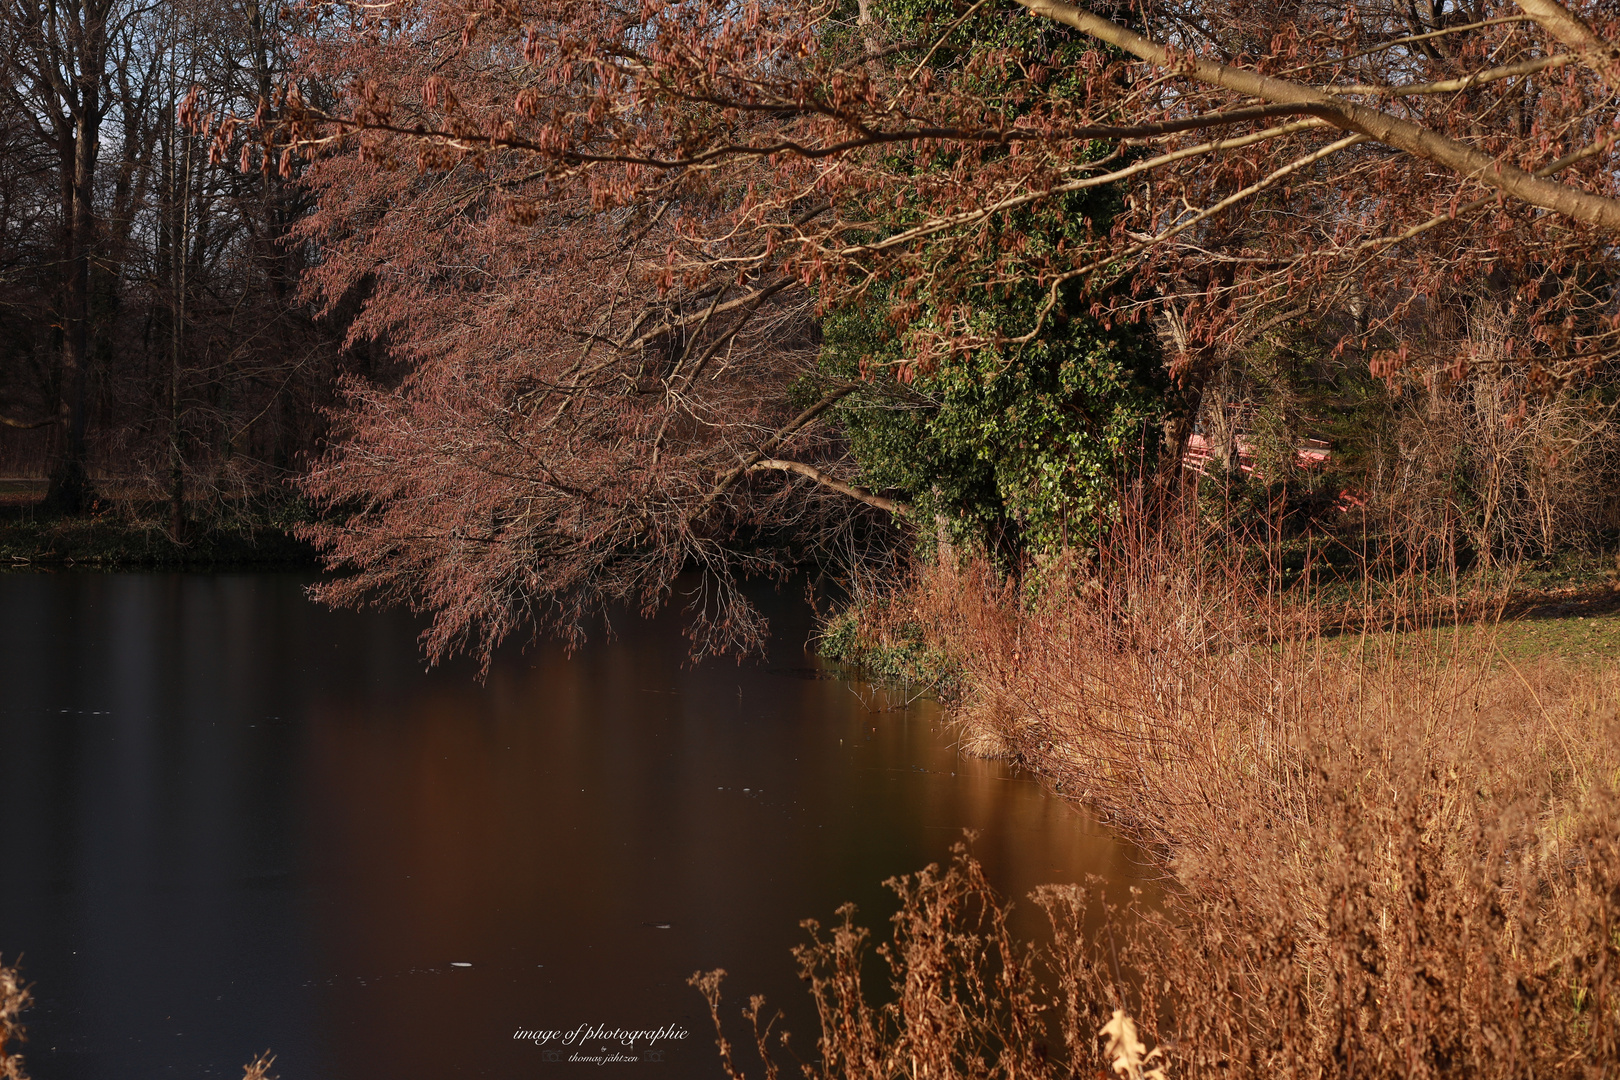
(156, 349)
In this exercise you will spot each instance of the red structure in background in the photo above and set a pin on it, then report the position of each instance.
(1310, 454)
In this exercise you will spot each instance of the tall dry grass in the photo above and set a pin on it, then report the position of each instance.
(1420, 976)
(1388, 853)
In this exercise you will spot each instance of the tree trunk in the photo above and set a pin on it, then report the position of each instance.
(70, 490)
(182, 250)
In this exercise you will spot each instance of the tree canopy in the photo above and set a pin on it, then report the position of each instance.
(607, 240)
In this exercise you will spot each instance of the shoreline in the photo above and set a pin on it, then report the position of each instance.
(103, 542)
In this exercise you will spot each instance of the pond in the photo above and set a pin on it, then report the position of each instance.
(232, 820)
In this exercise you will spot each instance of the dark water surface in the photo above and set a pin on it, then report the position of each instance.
(232, 820)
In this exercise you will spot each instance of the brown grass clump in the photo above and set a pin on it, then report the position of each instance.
(259, 1067)
(1388, 853)
(14, 998)
(1201, 722)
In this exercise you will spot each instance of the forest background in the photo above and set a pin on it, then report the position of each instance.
(1192, 384)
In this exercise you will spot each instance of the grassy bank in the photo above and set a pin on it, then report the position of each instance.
(131, 534)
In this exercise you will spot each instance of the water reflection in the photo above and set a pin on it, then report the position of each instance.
(230, 819)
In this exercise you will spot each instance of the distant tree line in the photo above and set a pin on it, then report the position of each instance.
(152, 338)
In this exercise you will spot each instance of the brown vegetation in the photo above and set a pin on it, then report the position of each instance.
(14, 998)
(1282, 160)
(1391, 849)
(1507, 969)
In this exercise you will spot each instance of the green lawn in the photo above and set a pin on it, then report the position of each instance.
(1583, 628)
(1591, 632)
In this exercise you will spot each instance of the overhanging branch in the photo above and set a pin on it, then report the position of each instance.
(1565, 27)
(893, 506)
(1392, 131)
(724, 482)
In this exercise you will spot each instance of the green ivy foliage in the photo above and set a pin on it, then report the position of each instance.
(1016, 448)
(1013, 448)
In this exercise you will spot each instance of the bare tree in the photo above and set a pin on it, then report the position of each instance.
(59, 58)
(181, 356)
(1376, 171)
